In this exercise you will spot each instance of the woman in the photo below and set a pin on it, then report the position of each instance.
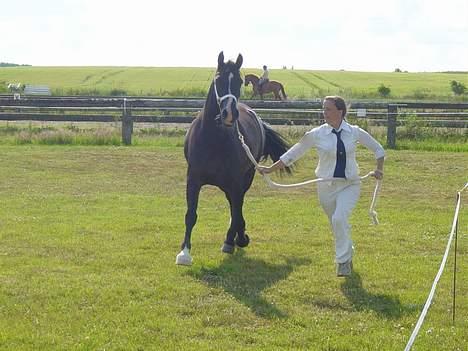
(264, 78)
(336, 142)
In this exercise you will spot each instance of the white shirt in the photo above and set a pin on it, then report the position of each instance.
(324, 141)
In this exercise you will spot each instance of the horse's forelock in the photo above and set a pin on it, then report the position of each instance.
(230, 67)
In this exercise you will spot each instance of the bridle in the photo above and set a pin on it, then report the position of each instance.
(220, 99)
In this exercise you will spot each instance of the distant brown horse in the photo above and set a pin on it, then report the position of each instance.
(272, 86)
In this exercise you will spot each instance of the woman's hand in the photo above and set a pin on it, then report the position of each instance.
(274, 167)
(264, 169)
(378, 174)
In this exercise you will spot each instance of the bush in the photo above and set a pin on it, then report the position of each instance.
(383, 90)
(422, 93)
(3, 87)
(118, 92)
(413, 128)
(458, 88)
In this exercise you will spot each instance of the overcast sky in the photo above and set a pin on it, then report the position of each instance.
(361, 35)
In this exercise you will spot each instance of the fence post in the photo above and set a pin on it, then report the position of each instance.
(392, 112)
(127, 123)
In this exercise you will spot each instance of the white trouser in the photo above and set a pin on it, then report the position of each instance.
(338, 199)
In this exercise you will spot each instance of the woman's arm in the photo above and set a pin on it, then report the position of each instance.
(274, 167)
(293, 154)
(378, 173)
(368, 141)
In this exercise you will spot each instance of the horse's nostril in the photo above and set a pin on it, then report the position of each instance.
(224, 113)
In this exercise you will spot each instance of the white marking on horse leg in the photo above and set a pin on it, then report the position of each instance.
(183, 257)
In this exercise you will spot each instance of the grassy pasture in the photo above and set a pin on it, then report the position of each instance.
(88, 238)
(194, 82)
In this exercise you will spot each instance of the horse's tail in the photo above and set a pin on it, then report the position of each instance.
(283, 92)
(275, 145)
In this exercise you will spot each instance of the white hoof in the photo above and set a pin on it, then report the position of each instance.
(184, 258)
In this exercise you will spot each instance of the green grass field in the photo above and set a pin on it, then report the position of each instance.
(411, 137)
(89, 234)
(194, 82)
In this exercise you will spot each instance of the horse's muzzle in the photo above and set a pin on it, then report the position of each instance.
(229, 113)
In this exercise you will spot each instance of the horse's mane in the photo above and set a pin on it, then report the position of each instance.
(252, 76)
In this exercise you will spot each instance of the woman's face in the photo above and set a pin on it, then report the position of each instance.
(332, 115)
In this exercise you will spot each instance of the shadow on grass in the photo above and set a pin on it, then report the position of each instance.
(384, 305)
(246, 278)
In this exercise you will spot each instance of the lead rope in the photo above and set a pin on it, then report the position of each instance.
(272, 184)
(420, 321)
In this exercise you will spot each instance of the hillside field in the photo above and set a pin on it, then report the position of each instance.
(194, 82)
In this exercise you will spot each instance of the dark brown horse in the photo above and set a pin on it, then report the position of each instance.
(215, 155)
(272, 86)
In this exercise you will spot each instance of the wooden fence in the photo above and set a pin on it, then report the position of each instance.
(129, 110)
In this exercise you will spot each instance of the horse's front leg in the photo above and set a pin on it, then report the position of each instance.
(192, 194)
(237, 225)
(228, 246)
(254, 91)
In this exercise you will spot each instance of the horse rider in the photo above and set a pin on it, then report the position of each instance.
(264, 78)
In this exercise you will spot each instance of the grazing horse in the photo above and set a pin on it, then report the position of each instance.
(215, 155)
(16, 89)
(272, 86)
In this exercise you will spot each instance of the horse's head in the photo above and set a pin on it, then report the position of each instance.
(251, 79)
(15, 87)
(227, 85)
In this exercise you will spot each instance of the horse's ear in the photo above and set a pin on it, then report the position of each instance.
(220, 60)
(239, 61)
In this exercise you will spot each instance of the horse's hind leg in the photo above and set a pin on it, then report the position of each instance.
(192, 194)
(242, 239)
(236, 232)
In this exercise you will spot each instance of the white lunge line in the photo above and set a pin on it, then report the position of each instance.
(439, 273)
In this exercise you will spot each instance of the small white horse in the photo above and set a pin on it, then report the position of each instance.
(16, 89)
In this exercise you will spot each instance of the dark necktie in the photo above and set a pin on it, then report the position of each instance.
(340, 156)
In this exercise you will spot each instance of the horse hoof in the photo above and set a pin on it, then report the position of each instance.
(243, 243)
(227, 248)
(183, 258)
